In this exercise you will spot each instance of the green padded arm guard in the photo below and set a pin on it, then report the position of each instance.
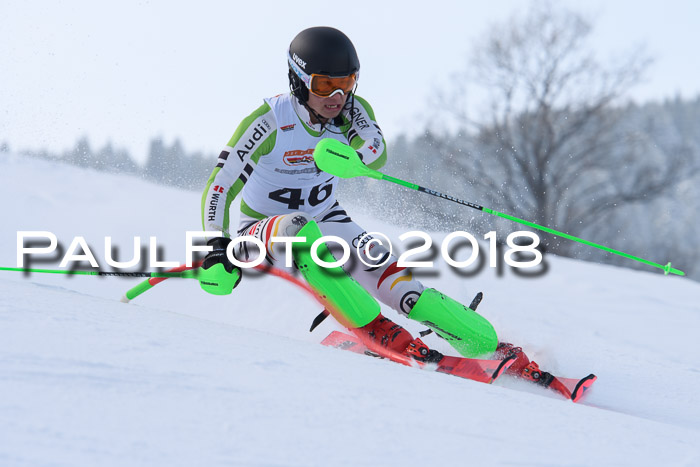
(466, 330)
(349, 303)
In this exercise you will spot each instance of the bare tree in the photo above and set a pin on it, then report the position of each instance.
(549, 148)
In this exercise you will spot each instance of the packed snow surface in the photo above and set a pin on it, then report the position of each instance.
(180, 377)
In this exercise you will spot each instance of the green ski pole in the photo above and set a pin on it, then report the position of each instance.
(341, 160)
(153, 277)
(182, 274)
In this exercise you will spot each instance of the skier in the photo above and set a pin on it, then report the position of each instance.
(269, 161)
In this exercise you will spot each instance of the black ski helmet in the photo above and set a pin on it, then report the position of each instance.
(321, 50)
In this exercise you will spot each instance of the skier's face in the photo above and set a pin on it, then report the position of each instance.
(327, 107)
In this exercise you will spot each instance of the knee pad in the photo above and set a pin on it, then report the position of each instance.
(465, 330)
(289, 225)
(286, 225)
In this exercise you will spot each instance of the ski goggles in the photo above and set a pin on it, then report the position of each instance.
(325, 85)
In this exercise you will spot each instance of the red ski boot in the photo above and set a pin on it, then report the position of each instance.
(522, 366)
(419, 351)
(386, 333)
(506, 349)
(533, 373)
(394, 337)
(573, 389)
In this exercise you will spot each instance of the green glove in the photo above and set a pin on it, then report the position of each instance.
(218, 275)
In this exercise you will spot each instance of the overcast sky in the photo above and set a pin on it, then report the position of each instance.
(129, 71)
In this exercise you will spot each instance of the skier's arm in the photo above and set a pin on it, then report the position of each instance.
(254, 137)
(365, 136)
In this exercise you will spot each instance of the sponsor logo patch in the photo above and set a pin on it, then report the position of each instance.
(258, 134)
(298, 157)
(288, 127)
(213, 203)
(408, 301)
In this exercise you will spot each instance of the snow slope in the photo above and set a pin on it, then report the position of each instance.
(179, 377)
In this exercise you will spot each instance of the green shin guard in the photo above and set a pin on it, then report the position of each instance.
(467, 331)
(349, 303)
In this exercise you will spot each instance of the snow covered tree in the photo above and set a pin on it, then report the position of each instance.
(81, 154)
(171, 165)
(549, 148)
(113, 160)
(123, 163)
(157, 162)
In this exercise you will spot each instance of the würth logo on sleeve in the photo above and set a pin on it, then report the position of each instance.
(219, 189)
(298, 157)
(213, 204)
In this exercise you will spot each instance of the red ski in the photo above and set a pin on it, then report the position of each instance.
(571, 388)
(484, 371)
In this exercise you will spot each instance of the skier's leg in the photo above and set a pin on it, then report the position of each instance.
(348, 300)
(467, 331)
(350, 303)
(372, 264)
(378, 271)
(345, 299)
